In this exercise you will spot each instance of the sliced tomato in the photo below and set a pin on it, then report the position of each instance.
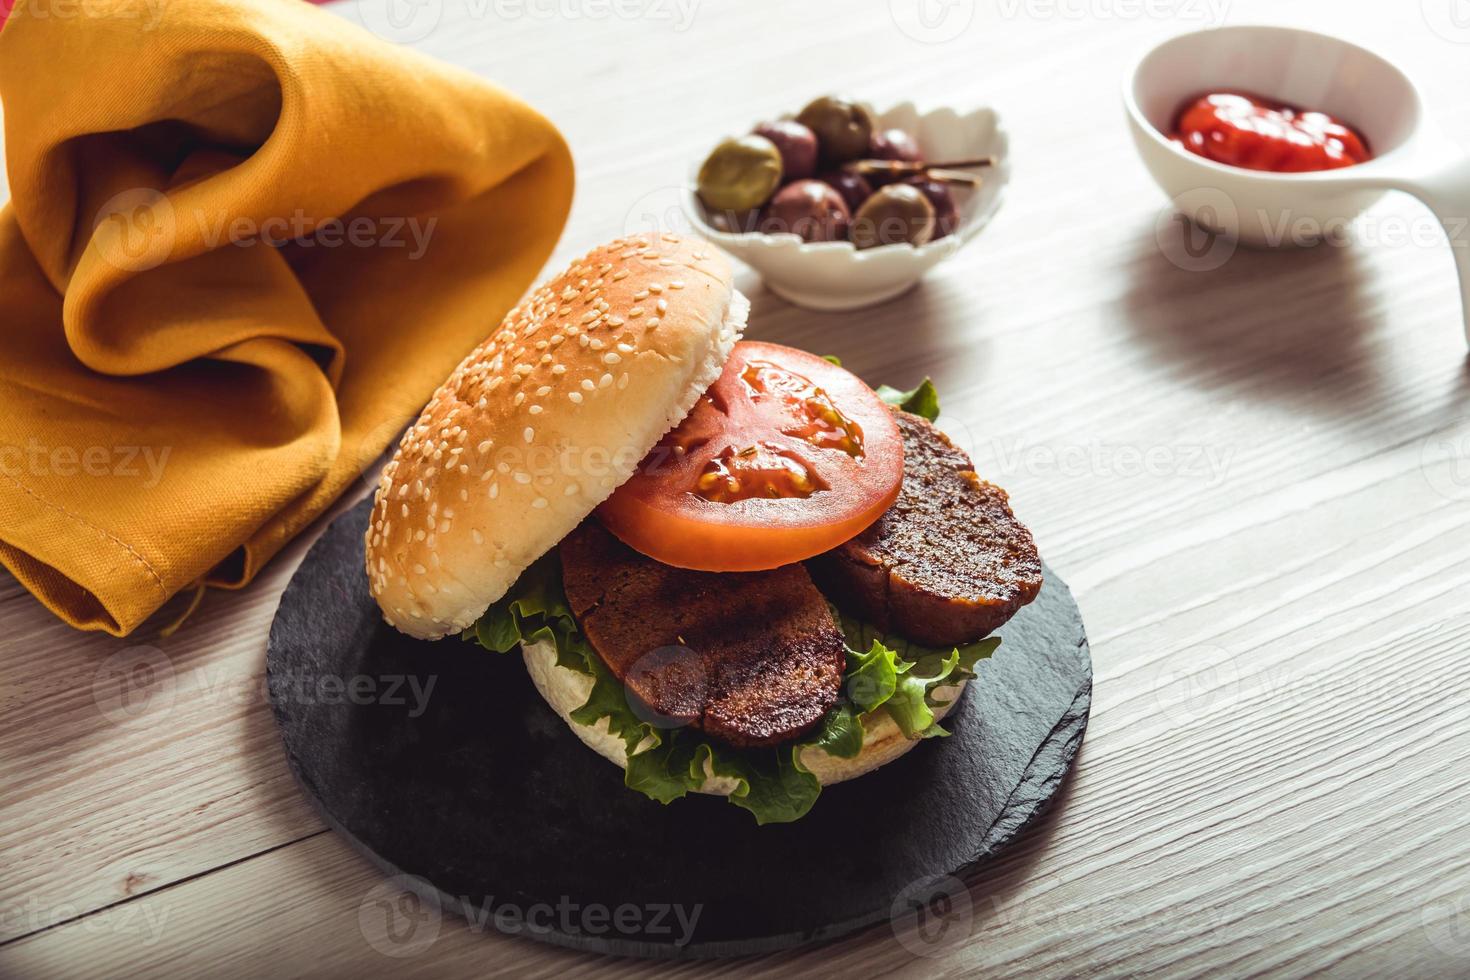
(784, 457)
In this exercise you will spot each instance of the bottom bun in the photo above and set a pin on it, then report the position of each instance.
(567, 690)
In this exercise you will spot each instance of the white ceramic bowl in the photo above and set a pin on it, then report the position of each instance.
(839, 276)
(1319, 72)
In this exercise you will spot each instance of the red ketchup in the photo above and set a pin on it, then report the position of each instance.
(1248, 131)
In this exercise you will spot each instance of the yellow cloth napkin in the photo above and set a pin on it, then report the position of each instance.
(246, 241)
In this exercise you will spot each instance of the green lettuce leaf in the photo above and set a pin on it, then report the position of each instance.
(901, 677)
(841, 733)
(663, 765)
(893, 675)
(923, 400)
(773, 785)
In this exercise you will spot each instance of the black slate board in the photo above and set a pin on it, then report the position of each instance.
(475, 786)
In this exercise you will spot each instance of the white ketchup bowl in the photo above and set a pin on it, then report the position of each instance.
(1314, 71)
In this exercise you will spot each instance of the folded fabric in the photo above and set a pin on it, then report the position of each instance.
(246, 241)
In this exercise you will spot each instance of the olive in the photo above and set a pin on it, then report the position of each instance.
(893, 144)
(810, 209)
(896, 213)
(798, 146)
(854, 188)
(946, 213)
(739, 174)
(843, 128)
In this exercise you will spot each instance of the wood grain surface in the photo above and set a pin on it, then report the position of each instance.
(1256, 479)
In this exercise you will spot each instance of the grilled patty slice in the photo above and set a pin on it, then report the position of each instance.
(948, 563)
(750, 658)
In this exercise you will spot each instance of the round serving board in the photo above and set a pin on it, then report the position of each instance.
(440, 761)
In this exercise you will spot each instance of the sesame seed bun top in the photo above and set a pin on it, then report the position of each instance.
(542, 421)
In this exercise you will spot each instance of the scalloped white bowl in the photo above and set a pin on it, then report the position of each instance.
(839, 276)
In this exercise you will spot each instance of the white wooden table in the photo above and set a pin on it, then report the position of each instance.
(1256, 479)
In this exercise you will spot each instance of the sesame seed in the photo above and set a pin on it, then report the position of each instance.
(615, 321)
(575, 396)
(635, 312)
(523, 478)
(662, 306)
(559, 369)
(484, 447)
(535, 409)
(477, 536)
(611, 357)
(520, 397)
(626, 348)
(539, 502)
(571, 489)
(494, 490)
(677, 284)
(623, 381)
(542, 391)
(405, 510)
(419, 569)
(620, 274)
(653, 321)
(529, 434)
(641, 294)
(587, 384)
(604, 381)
